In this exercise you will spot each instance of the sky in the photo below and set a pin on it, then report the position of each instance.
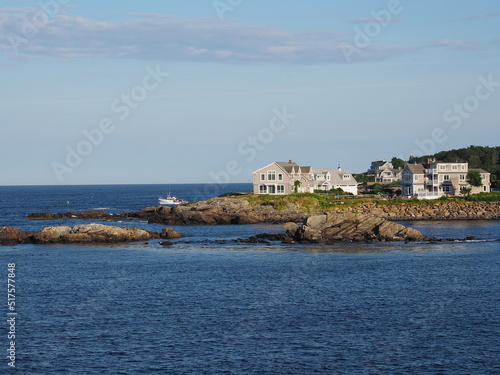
(162, 91)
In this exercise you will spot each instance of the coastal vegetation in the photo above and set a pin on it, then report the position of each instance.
(330, 200)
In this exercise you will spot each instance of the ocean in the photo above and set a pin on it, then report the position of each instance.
(209, 305)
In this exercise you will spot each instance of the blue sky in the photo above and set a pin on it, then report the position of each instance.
(97, 92)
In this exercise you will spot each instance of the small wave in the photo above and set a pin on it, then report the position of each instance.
(102, 208)
(486, 240)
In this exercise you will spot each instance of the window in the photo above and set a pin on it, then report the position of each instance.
(346, 177)
(280, 189)
(280, 177)
(407, 178)
(271, 175)
(454, 167)
(415, 177)
(271, 189)
(462, 167)
(462, 178)
(262, 176)
(446, 177)
(447, 189)
(262, 189)
(442, 167)
(484, 188)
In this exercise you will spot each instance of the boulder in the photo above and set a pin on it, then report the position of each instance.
(350, 227)
(51, 234)
(13, 236)
(92, 233)
(292, 229)
(170, 233)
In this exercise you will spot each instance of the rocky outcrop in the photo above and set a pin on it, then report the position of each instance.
(217, 211)
(86, 215)
(350, 227)
(13, 236)
(87, 233)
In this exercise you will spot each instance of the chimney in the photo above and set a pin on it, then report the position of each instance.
(290, 161)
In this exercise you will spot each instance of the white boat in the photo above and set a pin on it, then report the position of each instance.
(171, 200)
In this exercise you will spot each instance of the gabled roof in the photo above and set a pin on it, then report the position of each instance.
(415, 168)
(288, 167)
(337, 176)
(479, 170)
(394, 171)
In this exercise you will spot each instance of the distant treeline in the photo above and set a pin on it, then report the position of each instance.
(487, 158)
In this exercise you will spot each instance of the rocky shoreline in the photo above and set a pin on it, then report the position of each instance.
(342, 227)
(432, 210)
(224, 210)
(365, 222)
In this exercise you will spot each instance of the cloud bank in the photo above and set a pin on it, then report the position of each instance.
(166, 37)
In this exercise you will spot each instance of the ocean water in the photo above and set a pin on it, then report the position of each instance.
(208, 305)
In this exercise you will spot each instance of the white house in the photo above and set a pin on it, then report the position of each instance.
(435, 179)
(379, 164)
(282, 177)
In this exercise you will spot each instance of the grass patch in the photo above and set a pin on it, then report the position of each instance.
(484, 197)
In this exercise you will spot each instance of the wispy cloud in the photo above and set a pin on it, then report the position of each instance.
(166, 37)
(458, 45)
(479, 17)
(376, 20)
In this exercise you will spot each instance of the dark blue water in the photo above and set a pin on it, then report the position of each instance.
(209, 308)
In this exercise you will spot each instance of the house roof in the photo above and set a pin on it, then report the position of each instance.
(394, 171)
(416, 168)
(337, 176)
(479, 170)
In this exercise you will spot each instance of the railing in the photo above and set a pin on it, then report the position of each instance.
(429, 194)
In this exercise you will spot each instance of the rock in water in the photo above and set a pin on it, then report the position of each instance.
(350, 227)
(170, 233)
(92, 233)
(13, 236)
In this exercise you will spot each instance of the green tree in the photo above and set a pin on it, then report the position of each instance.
(474, 178)
(465, 191)
(296, 186)
(377, 189)
(397, 162)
